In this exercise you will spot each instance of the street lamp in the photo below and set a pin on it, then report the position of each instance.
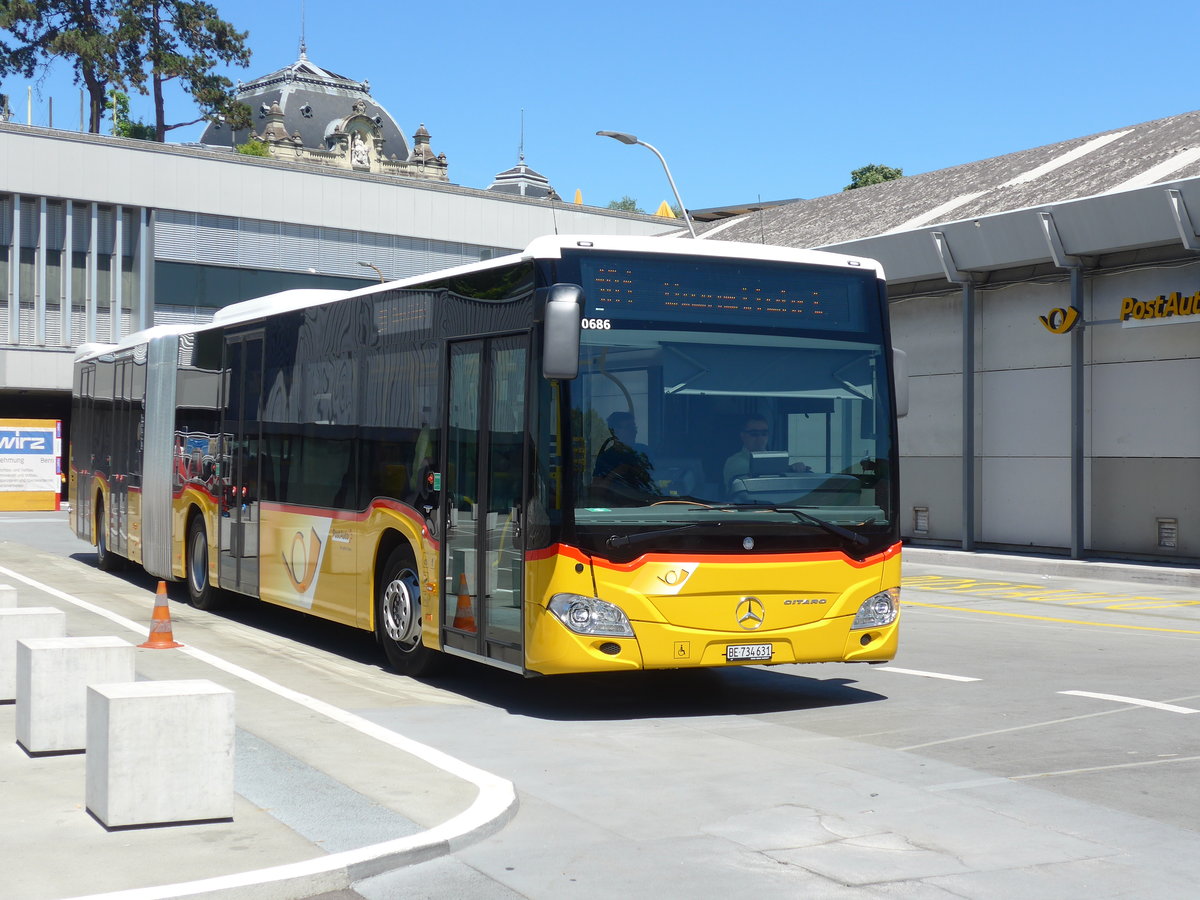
(630, 139)
(375, 267)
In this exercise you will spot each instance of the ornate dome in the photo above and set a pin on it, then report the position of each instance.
(315, 103)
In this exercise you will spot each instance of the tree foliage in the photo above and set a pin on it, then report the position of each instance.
(36, 32)
(122, 125)
(254, 147)
(872, 174)
(126, 45)
(627, 204)
(183, 41)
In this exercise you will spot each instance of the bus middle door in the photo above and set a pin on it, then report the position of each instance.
(483, 486)
(241, 441)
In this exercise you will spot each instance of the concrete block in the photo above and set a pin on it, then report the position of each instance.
(159, 752)
(8, 596)
(52, 679)
(16, 624)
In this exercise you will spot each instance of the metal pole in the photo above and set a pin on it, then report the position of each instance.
(626, 138)
(1077, 419)
(968, 416)
(14, 276)
(674, 190)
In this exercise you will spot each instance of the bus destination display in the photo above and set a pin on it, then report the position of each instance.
(624, 289)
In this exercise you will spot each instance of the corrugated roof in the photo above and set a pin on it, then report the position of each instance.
(1125, 158)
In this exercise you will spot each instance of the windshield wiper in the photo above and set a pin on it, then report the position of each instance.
(826, 526)
(625, 540)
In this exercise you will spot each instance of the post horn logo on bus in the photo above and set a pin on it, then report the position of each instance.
(1060, 320)
(301, 566)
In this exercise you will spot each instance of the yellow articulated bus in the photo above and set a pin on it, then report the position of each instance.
(598, 454)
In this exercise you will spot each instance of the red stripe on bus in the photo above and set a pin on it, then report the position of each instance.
(827, 556)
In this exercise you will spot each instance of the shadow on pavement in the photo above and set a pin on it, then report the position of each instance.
(591, 697)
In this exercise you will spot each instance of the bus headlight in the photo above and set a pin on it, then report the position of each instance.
(879, 610)
(590, 615)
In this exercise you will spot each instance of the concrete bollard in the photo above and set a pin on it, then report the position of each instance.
(15, 624)
(159, 752)
(52, 679)
(8, 596)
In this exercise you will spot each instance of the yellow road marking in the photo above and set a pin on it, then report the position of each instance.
(992, 612)
(1015, 590)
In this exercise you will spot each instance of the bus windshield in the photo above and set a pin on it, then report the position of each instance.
(762, 413)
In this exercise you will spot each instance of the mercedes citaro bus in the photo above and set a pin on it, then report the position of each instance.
(597, 454)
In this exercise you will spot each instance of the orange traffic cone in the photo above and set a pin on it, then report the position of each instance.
(464, 616)
(160, 623)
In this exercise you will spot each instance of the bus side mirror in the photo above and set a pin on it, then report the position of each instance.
(900, 371)
(560, 344)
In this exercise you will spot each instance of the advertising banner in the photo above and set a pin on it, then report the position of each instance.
(30, 464)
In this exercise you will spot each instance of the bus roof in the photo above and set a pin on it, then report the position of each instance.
(133, 339)
(546, 247)
(551, 247)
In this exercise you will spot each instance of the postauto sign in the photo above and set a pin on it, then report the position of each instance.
(1162, 310)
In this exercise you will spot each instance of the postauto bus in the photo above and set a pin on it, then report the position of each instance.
(598, 454)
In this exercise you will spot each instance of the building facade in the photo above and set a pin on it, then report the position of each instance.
(1048, 301)
(102, 236)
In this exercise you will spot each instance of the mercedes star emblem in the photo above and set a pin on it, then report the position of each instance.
(750, 613)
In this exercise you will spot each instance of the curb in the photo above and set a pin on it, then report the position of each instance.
(1144, 573)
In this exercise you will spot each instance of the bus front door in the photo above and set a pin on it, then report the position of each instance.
(241, 439)
(483, 483)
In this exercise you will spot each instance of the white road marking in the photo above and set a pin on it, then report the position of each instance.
(1152, 704)
(927, 674)
(494, 805)
(1085, 771)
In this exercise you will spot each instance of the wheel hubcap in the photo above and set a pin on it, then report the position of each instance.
(402, 610)
(198, 562)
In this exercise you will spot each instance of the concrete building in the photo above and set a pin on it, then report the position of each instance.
(1050, 300)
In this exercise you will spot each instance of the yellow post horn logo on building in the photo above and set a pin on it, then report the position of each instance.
(1060, 320)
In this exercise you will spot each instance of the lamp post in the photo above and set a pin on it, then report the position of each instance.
(375, 267)
(630, 139)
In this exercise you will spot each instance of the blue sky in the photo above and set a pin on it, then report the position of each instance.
(758, 99)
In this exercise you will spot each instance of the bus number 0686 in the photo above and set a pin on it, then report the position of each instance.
(597, 324)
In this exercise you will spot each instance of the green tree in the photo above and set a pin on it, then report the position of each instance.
(627, 204)
(872, 174)
(254, 147)
(83, 32)
(125, 44)
(183, 41)
(122, 125)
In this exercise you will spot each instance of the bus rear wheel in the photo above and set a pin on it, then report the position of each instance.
(398, 617)
(106, 560)
(202, 593)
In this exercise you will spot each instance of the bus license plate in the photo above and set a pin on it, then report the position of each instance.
(737, 652)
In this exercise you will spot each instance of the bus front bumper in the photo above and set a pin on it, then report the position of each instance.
(554, 649)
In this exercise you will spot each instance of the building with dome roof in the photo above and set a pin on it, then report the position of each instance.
(305, 113)
(524, 182)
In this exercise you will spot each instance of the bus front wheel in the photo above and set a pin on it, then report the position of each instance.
(398, 617)
(201, 591)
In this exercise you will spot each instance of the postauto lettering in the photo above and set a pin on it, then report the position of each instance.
(1162, 307)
